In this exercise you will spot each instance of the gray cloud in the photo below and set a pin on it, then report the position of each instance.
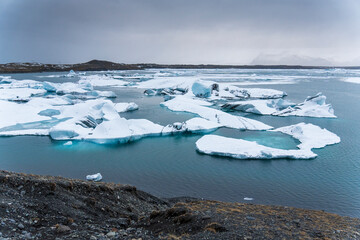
(178, 31)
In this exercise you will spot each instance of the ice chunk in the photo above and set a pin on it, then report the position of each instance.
(71, 73)
(242, 149)
(181, 84)
(310, 136)
(201, 125)
(229, 91)
(248, 199)
(203, 89)
(186, 104)
(263, 107)
(126, 107)
(312, 107)
(95, 177)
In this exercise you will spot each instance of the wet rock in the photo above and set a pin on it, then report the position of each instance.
(20, 226)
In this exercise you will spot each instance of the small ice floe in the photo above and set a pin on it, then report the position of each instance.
(68, 143)
(248, 198)
(95, 177)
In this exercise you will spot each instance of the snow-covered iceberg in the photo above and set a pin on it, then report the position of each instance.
(193, 125)
(242, 149)
(310, 136)
(201, 108)
(262, 107)
(102, 81)
(314, 106)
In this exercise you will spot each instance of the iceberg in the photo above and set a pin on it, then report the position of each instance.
(262, 107)
(102, 81)
(242, 149)
(314, 106)
(351, 80)
(232, 92)
(203, 89)
(126, 107)
(310, 136)
(95, 177)
(20, 94)
(201, 125)
(200, 107)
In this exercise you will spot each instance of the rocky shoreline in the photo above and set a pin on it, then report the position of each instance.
(46, 207)
(99, 65)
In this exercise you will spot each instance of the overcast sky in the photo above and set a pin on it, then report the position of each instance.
(308, 32)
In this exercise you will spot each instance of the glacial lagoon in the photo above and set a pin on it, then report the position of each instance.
(170, 166)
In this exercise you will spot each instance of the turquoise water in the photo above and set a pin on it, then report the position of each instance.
(170, 166)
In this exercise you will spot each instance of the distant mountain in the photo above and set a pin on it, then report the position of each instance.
(290, 59)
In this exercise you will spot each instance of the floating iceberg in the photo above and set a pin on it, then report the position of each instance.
(231, 92)
(126, 107)
(200, 107)
(20, 94)
(310, 136)
(203, 89)
(193, 125)
(102, 81)
(312, 107)
(352, 80)
(262, 107)
(242, 149)
(95, 177)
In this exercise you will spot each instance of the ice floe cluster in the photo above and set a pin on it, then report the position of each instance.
(75, 111)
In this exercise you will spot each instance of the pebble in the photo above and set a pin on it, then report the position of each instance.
(93, 238)
(111, 234)
(62, 228)
(21, 226)
(250, 218)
